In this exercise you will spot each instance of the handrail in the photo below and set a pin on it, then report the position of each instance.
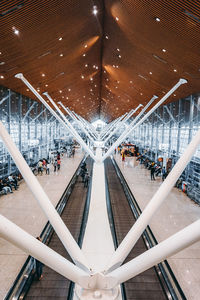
(168, 279)
(25, 276)
(82, 229)
(112, 227)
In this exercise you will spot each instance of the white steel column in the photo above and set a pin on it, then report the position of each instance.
(43, 200)
(77, 121)
(69, 127)
(177, 242)
(119, 125)
(113, 125)
(29, 244)
(125, 134)
(135, 232)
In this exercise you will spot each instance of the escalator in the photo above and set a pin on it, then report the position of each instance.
(150, 284)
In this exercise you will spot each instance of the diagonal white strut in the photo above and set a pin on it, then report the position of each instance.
(76, 120)
(59, 111)
(135, 232)
(113, 125)
(131, 127)
(177, 242)
(119, 125)
(69, 127)
(23, 240)
(88, 126)
(43, 200)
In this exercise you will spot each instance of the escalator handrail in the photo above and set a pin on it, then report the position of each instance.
(112, 226)
(26, 271)
(82, 229)
(151, 240)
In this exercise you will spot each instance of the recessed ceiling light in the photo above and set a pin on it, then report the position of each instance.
(46, 85)
(16, 31)
(118, 49)
(174, 95)
(60, 38)
(157, 19)
(86, 65)
(85, 46)
(43, 75)
(95, 11)
(116, 18)
(27, 90)
(91, 78)
(131, 81)
(82, 76)
(150, 73)
(106, 37)
(175, 70)
(164, 50)
(69, 90)
(119, 56)
(0, 53)
(61, 54)
(84, 54)
(2, 63)
(141, 94)
(60, 91)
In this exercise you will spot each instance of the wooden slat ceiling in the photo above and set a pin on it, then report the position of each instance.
(104, 65)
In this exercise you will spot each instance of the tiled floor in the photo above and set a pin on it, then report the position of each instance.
(175, 213)
(22, 209)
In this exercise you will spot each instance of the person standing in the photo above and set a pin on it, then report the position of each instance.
(47, 168)
(164, 173)
(38, 266)
(152, 170)
(58, 163)
(55, 165)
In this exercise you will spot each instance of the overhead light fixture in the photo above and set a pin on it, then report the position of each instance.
(43, 75)
(2, 63)
(16, 31)
(84, 54)
(60, 39)
(106, 37)
(82, 76)
(150, 73)
(164, 50)
(116, 18)
(46, 85)
(157, 19)
(86, 65)
(95, 11)
(61, 54)
(175, 70)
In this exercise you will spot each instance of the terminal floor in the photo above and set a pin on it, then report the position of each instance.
(174, 214)
(22, 209)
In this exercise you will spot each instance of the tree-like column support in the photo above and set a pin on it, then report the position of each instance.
(122, 123)
(67, 126)
(44, 202)
(131, 127)
(135, 232)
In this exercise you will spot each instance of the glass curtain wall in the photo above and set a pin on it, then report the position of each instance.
(167, 132)
(33, 129)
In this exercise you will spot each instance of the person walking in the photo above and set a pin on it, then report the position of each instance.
(164, 173)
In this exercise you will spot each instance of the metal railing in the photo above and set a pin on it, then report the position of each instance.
(165, 274)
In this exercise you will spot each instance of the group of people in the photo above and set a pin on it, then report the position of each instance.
(7, 184)
(84, 174)
(44, 164)
(155, 169)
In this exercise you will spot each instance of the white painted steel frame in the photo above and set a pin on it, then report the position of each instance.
(69, 127)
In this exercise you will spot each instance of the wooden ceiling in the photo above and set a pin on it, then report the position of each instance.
(105, 64)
